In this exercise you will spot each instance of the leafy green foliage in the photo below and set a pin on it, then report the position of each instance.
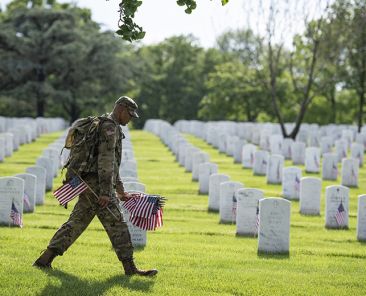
(129, 30)
(59, 62)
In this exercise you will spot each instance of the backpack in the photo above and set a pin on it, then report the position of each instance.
(82, 140)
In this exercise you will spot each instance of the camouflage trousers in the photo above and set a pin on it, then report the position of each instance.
(83, 213)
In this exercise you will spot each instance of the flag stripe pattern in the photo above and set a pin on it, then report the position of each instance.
(146, 211)
(341, 215)
(15, 216)
(257, 220)
(69, 190)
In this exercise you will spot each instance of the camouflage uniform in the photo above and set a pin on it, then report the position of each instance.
(102, 176)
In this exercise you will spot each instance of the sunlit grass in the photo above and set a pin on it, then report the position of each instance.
(195, 254)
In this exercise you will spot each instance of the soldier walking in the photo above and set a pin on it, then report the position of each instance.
(99, 169)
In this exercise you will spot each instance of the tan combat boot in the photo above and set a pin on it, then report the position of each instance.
(131, 269)
(45, 260)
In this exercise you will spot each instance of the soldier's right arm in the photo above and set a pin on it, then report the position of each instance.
(106, 157)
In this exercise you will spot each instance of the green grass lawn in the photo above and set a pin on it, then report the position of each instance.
(195, 254)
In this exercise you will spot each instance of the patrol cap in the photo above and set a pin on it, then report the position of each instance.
(129, 104)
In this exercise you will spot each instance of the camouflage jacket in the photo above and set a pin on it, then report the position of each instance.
(109, 158)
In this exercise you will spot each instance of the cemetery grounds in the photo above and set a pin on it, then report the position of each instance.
(195, 254)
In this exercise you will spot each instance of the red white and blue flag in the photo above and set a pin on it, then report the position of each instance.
(15, 216)
(146, 211)
(70, 190)
(257, 220)
(341, 215)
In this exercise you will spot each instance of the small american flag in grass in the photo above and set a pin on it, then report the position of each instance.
(15, 216)
(341, 215)
(257, 220)
(69, 190)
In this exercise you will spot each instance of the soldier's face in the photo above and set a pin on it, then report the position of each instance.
(124, 116)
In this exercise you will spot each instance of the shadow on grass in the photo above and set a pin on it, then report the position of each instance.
(72, 285)
(279, 256)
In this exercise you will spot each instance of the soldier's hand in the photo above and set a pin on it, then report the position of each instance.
(123, 195)
(103, 201)
(126, 196)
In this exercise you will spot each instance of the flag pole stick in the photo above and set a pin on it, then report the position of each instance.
(87, 185)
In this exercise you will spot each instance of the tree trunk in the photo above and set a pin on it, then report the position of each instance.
(360, 110)
(333, 114)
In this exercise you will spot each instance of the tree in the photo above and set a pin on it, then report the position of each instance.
(171, 83)
(129, 30)
(232, 93)
(300, 62)
(352, 15)
(58, 60)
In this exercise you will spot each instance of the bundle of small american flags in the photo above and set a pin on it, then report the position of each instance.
(146, 211)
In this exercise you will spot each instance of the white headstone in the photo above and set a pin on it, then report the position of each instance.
(330, 166)
(11, 194)
(286, 148)
(182, 153)
(188, 164)
(357, 151)
(312, 160)
(298, 153)
(138, 235)
(129, 179)
(205, 170)
(291, 183)
(341, 149)
(127, 154)
(238, 151)
(40, 173)
(247, 213)
(361, 218)
(2, 149)
(214, 190)
(274, 226)
(56, 160)
(228, 201)
(231, 142)
(274, 170)
(198, 158)
(326, 144)
(264, 139)
(248, 152)
(261, 159)
(336, 206)
(347, 135)
(128, 165)
(29, 197)
(276, 144)
(350, 169)
(134, 186)
(128, 173)
(8, 138)
(310, 193)
(46, 163)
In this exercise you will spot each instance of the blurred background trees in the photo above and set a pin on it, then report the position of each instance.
(56, 61)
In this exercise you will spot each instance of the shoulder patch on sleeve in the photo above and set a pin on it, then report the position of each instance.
(109, 128)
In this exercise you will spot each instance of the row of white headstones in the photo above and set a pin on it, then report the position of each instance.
(18, 131)
(24, 191)
(270, 217)
(131, 184)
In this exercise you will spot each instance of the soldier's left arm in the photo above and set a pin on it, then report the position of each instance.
(119, 185)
